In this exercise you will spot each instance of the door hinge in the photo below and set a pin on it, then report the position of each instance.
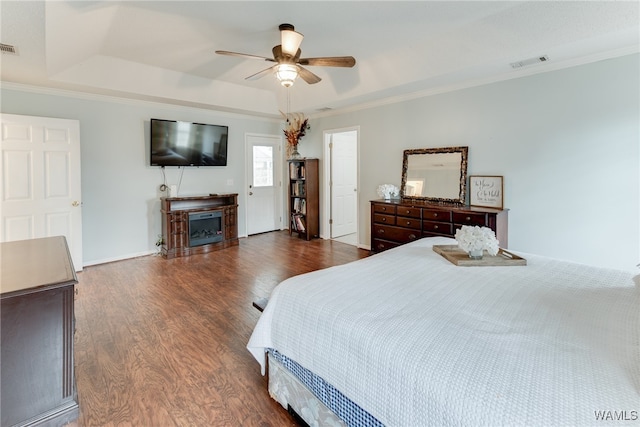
(330, 221)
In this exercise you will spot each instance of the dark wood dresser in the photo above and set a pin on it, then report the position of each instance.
(396, 222)
(37, 308)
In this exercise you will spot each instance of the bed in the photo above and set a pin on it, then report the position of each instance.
(405, 338)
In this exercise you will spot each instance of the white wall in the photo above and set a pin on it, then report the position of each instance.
(120, 192)
(567, 143)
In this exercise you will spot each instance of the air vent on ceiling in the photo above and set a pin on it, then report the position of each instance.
(7, 48)
(530, 61)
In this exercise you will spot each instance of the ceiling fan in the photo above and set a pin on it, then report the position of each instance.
(288, 65)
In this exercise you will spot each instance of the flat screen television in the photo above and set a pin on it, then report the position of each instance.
(175, 143)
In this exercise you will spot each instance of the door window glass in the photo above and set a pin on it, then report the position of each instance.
(262, 166)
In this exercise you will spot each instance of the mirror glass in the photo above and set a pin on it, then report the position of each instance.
(435, 174)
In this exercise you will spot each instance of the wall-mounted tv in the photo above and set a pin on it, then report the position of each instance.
(175, 143)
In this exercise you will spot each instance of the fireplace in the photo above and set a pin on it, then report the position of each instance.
(205, 228)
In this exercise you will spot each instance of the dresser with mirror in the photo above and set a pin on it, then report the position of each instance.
(432, 201)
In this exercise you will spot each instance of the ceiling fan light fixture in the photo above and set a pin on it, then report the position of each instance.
(290, 39)
(286, 74)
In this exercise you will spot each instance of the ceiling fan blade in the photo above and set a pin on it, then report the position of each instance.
(244, 55)
(329, 61)
(290, 39)
(260, 74)
(308, 76)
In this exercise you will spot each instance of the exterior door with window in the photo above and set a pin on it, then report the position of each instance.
(263, 193)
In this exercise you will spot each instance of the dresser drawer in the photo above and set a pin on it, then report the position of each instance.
(396, 234)
(388, 209)
(380, 245)
(409, 212)
(470, 218)
(384, 219)
(436, 215)
(408, 222)
(437, 227)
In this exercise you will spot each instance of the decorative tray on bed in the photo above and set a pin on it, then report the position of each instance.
(459, 257)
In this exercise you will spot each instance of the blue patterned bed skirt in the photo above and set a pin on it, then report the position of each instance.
(349, 412)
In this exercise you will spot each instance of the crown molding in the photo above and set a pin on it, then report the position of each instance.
(507, 75)
(135, 101)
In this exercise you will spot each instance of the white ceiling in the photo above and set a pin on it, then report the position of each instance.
(164, 50)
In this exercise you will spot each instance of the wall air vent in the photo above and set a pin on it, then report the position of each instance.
(7, 48)
(530, 61)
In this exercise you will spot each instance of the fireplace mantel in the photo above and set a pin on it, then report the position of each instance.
(175, 223)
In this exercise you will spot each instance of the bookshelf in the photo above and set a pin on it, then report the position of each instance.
(304, 198)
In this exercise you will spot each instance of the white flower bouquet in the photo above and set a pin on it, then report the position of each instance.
(474, 238)
(387, 191)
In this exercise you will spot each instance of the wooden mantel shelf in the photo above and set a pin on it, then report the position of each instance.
(176, 225)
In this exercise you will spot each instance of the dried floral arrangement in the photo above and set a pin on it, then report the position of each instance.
(296, 127)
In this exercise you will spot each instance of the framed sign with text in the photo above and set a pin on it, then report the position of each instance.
(485, 191)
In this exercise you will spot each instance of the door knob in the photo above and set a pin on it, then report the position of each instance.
(75, 203)
(251, 193)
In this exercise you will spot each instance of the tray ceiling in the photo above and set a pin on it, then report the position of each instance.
(164, 50)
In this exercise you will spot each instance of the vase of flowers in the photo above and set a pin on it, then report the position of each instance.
(475, 240)
(296, 127)
(387, 191)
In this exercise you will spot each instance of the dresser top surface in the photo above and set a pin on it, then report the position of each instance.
(434, 205)
(28, 265)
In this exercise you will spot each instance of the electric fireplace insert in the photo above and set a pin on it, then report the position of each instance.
(205, 228)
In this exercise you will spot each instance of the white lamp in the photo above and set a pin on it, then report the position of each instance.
(286, 74)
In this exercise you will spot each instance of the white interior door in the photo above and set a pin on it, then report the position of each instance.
(40, 187)
(343, 149)
(263, 192)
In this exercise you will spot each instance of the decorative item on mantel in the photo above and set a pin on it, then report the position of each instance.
(388, 191)
(297, 126)
(474, 240)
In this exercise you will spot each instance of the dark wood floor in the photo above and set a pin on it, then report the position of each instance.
(163, 342)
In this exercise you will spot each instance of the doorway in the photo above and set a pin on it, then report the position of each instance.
(341, 180)
(41, 191)
(264, 206)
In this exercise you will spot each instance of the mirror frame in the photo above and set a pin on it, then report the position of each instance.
(464, 151)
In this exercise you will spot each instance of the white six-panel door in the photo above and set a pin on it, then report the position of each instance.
(344, 183)
(40, 180)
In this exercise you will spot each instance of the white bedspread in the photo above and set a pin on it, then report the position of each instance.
(417, 341)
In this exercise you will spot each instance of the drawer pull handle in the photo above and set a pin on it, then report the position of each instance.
(384, 208)
(408, 211)
(412, 236)
(380, 231)
(408, 222)
(380, 246)
(384, 219)
(435, 227)
(435, 215)
(468, 218)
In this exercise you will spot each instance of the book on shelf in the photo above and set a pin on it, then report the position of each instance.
(299, 222)
(297, 189)
(296, 170)
(300, 205)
